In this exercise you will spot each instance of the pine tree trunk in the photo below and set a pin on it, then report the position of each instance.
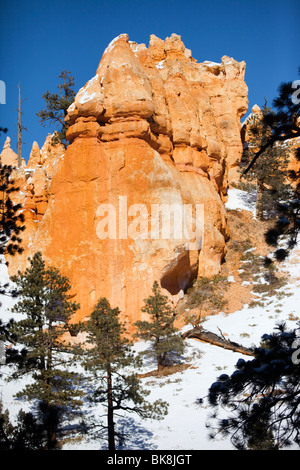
(51, 437)
(50, 425)
(161, 362)
(110, 413)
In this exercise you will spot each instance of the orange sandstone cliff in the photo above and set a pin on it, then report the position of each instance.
(152, 129)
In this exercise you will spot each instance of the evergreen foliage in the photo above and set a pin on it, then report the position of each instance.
(160, 330)
(3, 129)
(11, 227)
(46, 310)
(6, 429)
(110, 359)
(11, 219)
(57, 105)
(29, 433)
(30, 430)
(284, 122)
(284, 126)
(263, 394)
(269, 174)
(207, 294)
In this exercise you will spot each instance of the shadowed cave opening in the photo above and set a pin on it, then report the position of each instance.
(179, 274)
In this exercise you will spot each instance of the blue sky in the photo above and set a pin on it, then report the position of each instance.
(39, 39)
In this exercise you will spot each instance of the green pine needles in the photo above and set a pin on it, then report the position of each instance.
(159, 330)
(56, 106)
(269, 174)
(46, 310)
(111, 361)
(56, 387)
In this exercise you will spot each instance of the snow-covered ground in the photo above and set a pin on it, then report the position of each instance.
(238, 199)
(184, 428)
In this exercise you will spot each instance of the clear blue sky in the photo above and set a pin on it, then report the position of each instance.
(39, 39)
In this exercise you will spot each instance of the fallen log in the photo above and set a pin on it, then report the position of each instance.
(212, 338)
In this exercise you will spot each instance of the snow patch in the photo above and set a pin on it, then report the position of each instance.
(239, 200)
(87, 97)
(113, 42)
(160, 64)
(71, 107)
(185, 425)
(210, 63)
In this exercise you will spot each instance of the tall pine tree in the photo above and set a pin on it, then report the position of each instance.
(284, 125)
(11, 227)
(269, 174)
(57, 105)
(46, 309)
(262, 396)
(11, 219)
(159, 329)
(111, 361)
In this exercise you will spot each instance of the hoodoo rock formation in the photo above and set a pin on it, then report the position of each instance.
(152, 130)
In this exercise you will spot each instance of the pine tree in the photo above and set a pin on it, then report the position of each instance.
(46, 311)
(11, 226)
(29, 432)
(262, 395)
(111, 361)
(11, 220)
(21, 128)
(207, 294)
(57, 105)
(269, 174)
(160, 329)
(284, 125)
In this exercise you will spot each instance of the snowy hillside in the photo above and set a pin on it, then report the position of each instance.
(184, 428)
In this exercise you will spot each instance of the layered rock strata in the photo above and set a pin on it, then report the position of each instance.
(152, 130)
